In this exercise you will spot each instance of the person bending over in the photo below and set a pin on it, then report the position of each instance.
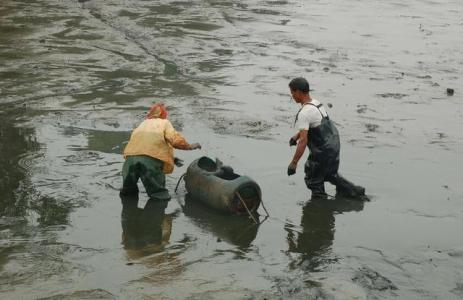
(149, 154)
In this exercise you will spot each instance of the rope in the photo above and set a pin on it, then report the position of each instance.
(245, 206)
(263, 206)
(178, 183)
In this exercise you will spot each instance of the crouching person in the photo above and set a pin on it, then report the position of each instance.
(149, 155)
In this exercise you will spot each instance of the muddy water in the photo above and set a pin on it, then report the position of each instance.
(77, 76)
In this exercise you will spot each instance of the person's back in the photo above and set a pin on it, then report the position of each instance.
(149, 139)
(149, 154)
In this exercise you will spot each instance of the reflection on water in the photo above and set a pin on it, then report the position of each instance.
(313, 241)
(145, 235)
(236, 230)
(15, 144)
(144, 230)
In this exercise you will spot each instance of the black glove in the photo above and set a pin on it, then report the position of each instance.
(292, 169)
(292, 142)
(178, 162)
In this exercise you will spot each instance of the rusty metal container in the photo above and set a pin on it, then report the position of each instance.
(220, 188)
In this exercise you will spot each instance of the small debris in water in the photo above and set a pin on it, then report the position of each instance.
(129, 263)
(371, 127)
(361, 108)
(330, 105)
(450, 92)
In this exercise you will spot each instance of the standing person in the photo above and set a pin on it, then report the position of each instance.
(149, 155)
(319, 134)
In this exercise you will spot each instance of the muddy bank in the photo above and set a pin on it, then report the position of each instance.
(77, 76)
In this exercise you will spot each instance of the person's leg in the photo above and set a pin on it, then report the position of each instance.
(344, 187)
(315, 178)
(129, 177)
(153, 178)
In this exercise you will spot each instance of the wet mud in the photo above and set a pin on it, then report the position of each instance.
(77, 76)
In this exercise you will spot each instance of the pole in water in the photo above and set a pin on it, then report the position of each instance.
(247, 209)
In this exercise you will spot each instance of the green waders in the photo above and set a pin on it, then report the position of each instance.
(149, 170)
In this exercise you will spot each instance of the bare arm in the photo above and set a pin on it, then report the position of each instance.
(302, 140)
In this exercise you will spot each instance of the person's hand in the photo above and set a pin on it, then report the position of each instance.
(292, 168)
(178, 162)
(195, 146)
(292, 142)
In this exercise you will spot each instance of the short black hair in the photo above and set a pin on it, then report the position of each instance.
(299, 84)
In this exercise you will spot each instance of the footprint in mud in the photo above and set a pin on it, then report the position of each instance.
(372, 280)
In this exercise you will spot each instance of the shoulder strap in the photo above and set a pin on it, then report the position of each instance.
(318, 107)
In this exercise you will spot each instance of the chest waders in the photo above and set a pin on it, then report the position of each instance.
(149, 170)
(323, 161)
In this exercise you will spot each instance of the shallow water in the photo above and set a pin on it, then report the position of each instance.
(77, 76)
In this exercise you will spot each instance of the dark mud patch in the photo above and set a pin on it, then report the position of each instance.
(458, 290)
(85, 294)
(263, 11)
(164, 9)
(83, 156)
(37, 262)
(196, 25)
(428, 215)
(212, 65)
(442, 140)
(457, 253)
(363, 108)
(277, 2)
(373, 281)
(314, 288)
(129, 14)
(223, 52)
(397, 96)
(52, 212)
(250, 128)
(371, 127)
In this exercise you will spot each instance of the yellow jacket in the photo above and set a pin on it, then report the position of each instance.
(156, 138)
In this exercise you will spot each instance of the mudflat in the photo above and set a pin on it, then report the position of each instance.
(77, 76)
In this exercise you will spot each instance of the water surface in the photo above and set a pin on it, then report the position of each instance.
(77, 76)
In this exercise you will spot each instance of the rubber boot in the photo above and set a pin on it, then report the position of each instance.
(318, 192)
(346, 188)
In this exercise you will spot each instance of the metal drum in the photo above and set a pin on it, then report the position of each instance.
(220, 188)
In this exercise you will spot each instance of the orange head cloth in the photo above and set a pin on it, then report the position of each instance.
(157, 111)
